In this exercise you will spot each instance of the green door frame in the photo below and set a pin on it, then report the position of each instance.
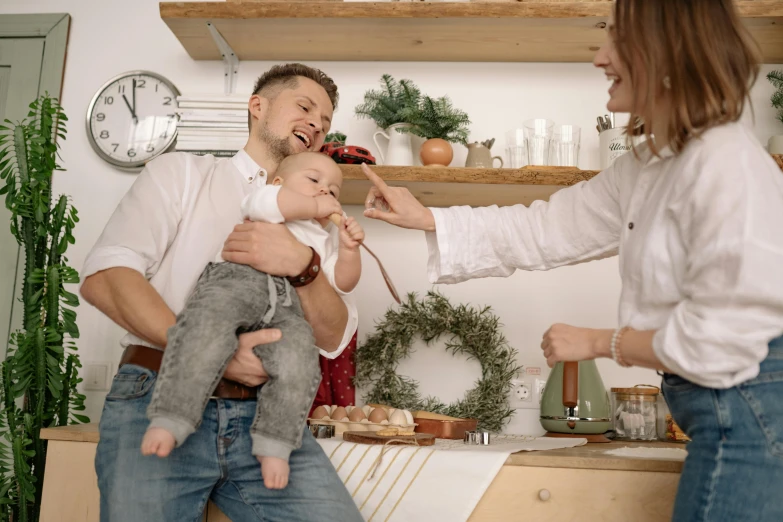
(54, 29)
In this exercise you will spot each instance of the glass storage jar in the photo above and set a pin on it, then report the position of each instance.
(635, 412)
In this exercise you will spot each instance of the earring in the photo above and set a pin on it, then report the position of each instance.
(667, 82)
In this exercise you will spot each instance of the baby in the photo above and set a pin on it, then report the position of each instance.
(231, 298)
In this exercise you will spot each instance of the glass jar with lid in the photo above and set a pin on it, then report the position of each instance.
(635, 412)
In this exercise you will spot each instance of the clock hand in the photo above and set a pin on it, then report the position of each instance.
(133, 113)
(134, 96)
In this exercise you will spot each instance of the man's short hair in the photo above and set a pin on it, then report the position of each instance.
(287, 76)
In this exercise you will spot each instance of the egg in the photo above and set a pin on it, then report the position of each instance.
(356, 415)
(339, 413)
(320, 412)
(398, 417)
(377, 415)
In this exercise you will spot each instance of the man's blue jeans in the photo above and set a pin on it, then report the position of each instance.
(214, 463)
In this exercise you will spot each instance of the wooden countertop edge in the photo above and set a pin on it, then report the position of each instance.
(589, 456)
(73, 433)
(540, 459)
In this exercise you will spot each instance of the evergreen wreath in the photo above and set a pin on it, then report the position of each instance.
(474, 333)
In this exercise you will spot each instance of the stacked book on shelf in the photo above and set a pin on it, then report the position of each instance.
(212, 124)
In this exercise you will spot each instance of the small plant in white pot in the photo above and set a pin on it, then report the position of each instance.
(776, 78)
(389, 108)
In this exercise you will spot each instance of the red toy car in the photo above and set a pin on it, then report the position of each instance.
(347, 154)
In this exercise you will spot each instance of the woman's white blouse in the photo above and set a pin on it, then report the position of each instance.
(700, 239)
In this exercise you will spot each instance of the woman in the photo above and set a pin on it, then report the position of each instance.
(696, 215)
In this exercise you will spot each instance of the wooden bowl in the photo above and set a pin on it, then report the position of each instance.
(445, 429)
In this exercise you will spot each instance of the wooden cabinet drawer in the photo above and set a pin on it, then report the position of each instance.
(518, 493)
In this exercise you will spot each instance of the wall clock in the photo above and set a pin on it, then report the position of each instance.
(132, 119)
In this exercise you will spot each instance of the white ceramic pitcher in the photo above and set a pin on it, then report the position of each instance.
(399, 150)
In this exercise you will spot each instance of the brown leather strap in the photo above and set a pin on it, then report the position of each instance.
(151, 358)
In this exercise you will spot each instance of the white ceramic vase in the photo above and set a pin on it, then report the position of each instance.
(402, 147)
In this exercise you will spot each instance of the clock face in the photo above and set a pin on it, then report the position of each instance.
(133, 119)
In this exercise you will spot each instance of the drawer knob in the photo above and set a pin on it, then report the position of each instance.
(544, 495)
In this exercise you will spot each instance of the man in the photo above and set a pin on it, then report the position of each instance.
(169, 225)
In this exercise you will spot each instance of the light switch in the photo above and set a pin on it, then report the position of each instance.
(96, 376)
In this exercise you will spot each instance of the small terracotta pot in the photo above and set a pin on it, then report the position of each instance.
(436, 152)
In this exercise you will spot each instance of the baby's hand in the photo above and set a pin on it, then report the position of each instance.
(351, 234)
(326, 205)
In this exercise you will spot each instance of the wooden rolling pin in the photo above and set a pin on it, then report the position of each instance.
(337, 219)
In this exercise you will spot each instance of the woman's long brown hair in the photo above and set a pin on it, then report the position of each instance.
(697, 52)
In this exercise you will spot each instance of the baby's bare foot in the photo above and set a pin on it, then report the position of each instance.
(158, 441)
(274, 471)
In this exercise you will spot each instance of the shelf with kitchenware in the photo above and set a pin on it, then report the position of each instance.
(454, 186)
(522, 31)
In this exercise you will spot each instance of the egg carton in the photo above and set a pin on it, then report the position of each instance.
(355, 418)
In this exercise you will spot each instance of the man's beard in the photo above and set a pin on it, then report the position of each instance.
(278, 148)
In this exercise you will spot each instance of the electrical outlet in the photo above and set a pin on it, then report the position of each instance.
(526, 393)
(539, 389)
(96, 375)
(521, 394)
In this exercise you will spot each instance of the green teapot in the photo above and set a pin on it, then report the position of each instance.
(575, 400)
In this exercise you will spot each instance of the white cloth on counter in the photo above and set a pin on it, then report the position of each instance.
(443, 482)
(700, 241)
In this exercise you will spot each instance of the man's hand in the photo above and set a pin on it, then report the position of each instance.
(351, 234)
(268, 248)
(246, 368)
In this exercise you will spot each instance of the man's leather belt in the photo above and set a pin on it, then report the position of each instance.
(150, 358)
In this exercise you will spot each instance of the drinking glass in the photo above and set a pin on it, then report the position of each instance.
(538, 139)
(515, 148)
(564, 151)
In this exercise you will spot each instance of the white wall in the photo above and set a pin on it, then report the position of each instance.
(112, 36)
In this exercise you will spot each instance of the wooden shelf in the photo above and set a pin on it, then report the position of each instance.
(452, 186)
(524, 31)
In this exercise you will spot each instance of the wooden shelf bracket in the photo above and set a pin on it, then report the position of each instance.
(229, 57)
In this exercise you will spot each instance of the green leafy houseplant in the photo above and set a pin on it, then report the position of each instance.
(438, 118)
(776, 78)
(40, 372)
(335, 136)
(391, 103)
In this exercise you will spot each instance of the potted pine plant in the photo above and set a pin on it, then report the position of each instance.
(40, 371)
(335, 137)
(389, 107)
(776, 78)
(442, 124)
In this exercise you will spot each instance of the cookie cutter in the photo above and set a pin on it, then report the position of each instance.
(477, 437)
(322, 431)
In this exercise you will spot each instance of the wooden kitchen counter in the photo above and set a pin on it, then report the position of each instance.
(542, 485)
(593, 456)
